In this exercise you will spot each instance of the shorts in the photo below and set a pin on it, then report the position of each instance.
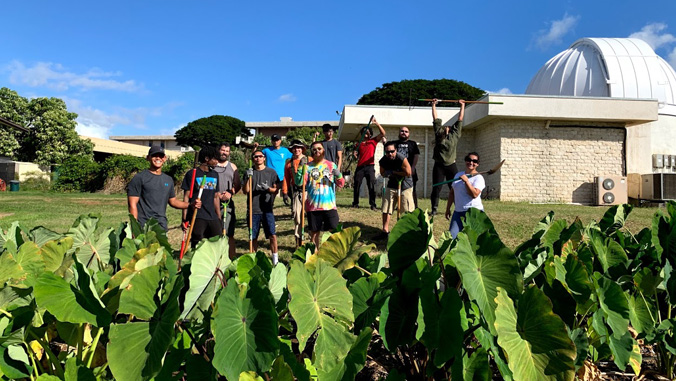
(268, 222)
(322, 220)
(230, 219)
(390, 202)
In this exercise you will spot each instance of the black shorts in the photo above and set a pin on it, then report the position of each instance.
(323, 220)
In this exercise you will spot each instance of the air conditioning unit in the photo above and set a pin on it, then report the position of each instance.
(658, 186)
(610, 190)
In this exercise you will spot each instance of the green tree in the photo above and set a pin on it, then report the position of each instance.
(214, 129)
(51, 136)
(304, 134)
(408, 91)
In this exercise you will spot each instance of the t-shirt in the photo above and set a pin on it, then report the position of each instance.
(321, 181)
(445, 145)
(395, 165)
(263, 200)
(463, 200)
(408, 149)
(366, 150)
(331, 148)
(226, 179)
(154, 192)
(208, 210)
(276, 158)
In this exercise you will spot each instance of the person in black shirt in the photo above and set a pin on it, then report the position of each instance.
(264, 186)
(409, 149)
(149, 191)
(208, 221)
(395, 167)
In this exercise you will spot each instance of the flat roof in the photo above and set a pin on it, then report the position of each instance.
(143, 137)
(9, 123)
(291, 123)
(121, 148)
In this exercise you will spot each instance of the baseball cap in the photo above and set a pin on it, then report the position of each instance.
(275, 137)
(154, 150)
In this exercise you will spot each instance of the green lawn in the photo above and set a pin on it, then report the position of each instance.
(513, 221)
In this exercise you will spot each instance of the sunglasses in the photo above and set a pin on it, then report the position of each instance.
(316, 150)
(403, 131)
(391, 151)
(475, 161)
(258, 156)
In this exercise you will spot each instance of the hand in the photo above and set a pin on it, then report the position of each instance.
(185, 226)
(249, 173)
(225, 196)
(461, 101)
(255, 145)
(262, 187)
(374, 120)
(355, 154)
(285, 197)
(197, 204)
(316, 134)
(464, 178)
(435, 101)
(389, 173)
(335, 172)
(303, 160)
(448, 214)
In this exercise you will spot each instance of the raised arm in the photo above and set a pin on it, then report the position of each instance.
(382, 133)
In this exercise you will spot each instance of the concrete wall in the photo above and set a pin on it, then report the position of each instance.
(17, 170)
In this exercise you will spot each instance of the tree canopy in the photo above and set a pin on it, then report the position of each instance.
(408, 91)
(51, 136)
(214, 129)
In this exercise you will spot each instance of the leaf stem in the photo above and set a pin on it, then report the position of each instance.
(53, 360)
(95, 343)
(362, 270)
(199, 348)
(80, 339)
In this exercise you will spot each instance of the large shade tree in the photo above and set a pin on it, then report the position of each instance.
(51, 136)
(408, 91)
(214, 129)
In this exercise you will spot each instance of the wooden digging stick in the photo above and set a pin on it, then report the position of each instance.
(399, 199)
(302, 209)
(458, 101)
(250, 209)
(194, 213)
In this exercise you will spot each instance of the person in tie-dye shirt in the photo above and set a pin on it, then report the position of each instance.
(321, 177)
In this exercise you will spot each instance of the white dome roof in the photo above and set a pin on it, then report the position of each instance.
(608, 67)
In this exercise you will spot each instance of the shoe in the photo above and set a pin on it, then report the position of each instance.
(356, 206)
(374, 208)
(434, 211)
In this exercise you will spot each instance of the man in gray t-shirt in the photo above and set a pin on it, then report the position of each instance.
(333, 150)
(149, 192)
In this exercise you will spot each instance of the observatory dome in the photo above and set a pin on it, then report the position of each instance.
(608, 67)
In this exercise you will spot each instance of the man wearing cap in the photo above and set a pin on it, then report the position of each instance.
(296, 163)
(276, 156)
(150, 191)
(396, 168)
(409, 149)
(321, 178)
(365, 153)
(228, 184)
(333, 150)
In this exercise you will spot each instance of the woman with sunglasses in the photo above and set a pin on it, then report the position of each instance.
(465, 193)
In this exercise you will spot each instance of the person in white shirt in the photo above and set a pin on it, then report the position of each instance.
(465, 193)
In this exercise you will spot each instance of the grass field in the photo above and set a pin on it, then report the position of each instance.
(513, 221)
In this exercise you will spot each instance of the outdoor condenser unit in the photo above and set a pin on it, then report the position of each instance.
(610, 190)
(658, 186)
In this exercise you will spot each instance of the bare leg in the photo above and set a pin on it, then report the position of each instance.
(273, 243)
(231, 247)
(255, 245)
(386, 222)
(314, 237)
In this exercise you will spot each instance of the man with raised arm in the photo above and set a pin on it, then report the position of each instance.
(365, 152)
(264, 186)
(228, 184)
(396, 168)
(321, 179)
(445, 144)
(409, 149)
(150, 191)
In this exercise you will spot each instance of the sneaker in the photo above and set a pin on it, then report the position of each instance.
(434, 211)
(356, 206)
(374, 208)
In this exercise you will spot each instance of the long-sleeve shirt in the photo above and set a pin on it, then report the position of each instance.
(445, 145)
(321, 180)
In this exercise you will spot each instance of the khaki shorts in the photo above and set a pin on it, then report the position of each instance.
(390, 201)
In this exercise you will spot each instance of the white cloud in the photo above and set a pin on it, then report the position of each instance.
(56, 77)
(92, 130)
(558, 28)
(286, 98)
(504, 90)
(171, 131)
(652, 34)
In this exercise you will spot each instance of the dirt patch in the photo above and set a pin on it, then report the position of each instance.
(3, 215)
(93, 202)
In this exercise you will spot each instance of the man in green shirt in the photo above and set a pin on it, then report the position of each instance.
(446, 141)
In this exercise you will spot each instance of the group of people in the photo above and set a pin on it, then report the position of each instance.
(307, 183)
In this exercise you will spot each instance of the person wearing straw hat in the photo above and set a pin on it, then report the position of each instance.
(208, 218)
(289, 188)
(399, 192)
(445, 144)
(149, 192)
(465, 193)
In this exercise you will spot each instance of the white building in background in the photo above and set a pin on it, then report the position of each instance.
(603, 107)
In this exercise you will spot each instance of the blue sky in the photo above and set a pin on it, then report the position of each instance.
(150, 67)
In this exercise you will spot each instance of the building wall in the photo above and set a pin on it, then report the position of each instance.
(556, 164)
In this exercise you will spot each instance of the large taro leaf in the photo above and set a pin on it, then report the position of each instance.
(341, 250)
(534, 339)
(41, 235)
(476, 367)
(29, 258)
(321, 304)
(368, 297)
(614, 218)
(354, 361)
(408, 240)
(641, 314)
(573, 275)
(93, 250)
(139, 297)
(399, 316)
(625, 352)
(14, 362)
(484, 265)
(451, 332)
(13, 234)
(277, 282)
(136, 350)
(208, 263)
(609, 253)
(245, 329)
(54, 253)
(614, 304)
(75, 302)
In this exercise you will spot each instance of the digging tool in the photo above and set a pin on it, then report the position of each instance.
(356, 147)
(194, 213)
(302, 209)
(192, 186)
(489, 172)
(458, 101)
(251, 208)
(185, 234)
(399, 199)
(225, 216)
